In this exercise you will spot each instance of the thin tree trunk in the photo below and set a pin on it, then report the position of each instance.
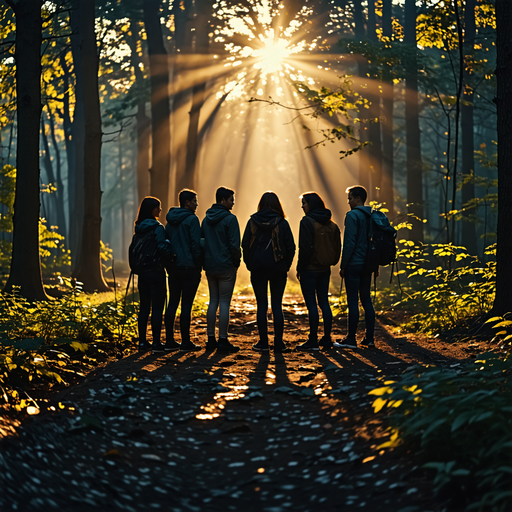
(469, 239)
(412, 128)
(25, 262)
(160, 109)
(48, 166)
(503, 100)
(387, 190)
(90, 272)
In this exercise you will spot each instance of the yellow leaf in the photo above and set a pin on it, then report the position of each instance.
(380, 391)
(379, 404)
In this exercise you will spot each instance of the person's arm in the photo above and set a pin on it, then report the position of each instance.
(246, 242)
(338, 244)
(289, 245)
(349, 239)
(195, 240)
(163, 245)
(233, 233)
(306, 239)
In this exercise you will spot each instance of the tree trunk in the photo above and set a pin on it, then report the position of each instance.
(76, 219)
(503, 100)
(387, 190)
(90, 272)
(469, 239)
(412, 128)
(25, 262)
(160, 109)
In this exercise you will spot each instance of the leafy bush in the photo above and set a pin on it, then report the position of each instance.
(462, 420)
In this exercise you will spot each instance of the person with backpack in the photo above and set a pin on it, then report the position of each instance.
(149, 252)
(353, 268)
(319, 249)
(268, 251)
(222, 255)
(184, 234)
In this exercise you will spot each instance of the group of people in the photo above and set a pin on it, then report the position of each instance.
(184, 247)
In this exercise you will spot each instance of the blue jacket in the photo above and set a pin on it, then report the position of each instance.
(355, 243)
(163, 245)
(184, 234)
(221, 235)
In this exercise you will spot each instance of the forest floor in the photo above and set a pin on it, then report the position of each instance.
(247, 431)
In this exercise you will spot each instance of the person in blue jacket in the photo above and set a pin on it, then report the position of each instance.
(352, 268)
(184, 234)
(268, 250)
(222, 256)
(151, 282)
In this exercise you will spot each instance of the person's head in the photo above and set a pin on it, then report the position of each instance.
(271, 201)
(357, 196)
(225, 197)
(311, 201)
(150, 208)
(188, 199)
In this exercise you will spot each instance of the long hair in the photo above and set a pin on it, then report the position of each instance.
(147, 205)
(271, 201)
(314, 200)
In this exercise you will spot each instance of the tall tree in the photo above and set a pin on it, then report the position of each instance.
(412, 126)
(503, 100)
(160, 108)
(25, 269)
(89, 267)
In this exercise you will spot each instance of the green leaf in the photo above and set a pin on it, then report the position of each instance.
(461, 419)
(461, 472)
(29, 344)
(432, 427)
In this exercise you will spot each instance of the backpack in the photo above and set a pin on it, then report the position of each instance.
(143, 252)
(261, 250)
(326, 244)
(381, 237)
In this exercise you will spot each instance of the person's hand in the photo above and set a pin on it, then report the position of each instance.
(342, 273)
(298, 276)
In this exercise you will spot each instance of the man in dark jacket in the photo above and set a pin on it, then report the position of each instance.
(184, 234)
(352, 268)
(221, 235)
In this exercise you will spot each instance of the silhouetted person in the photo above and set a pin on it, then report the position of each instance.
(319, 249)
(221, 235)
(184, 233)
(352, 268)
(268, 250)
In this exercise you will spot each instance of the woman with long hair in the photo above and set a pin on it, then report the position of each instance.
(319, 249)
(268, 250)
(150, 254)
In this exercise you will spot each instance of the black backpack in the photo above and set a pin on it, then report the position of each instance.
(381, 236)
(143, 252)
(261, 250)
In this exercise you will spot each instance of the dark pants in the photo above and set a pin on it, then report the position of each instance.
(183, 284)
(152, 294)
(359, 283)
(260, 282)
(315, 286)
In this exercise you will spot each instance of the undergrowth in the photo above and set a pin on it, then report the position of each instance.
(461, 419)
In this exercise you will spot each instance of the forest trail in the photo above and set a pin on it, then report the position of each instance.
(208, 431)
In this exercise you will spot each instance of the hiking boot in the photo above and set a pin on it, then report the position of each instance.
(281, 348)
(261, 346)
(225, 346)
(157, 348)
(325, 343)
(346, 343)
(171, 345)
(368, 342)
(188, 346)
(211, 344)
(144, 347)
(309, 345)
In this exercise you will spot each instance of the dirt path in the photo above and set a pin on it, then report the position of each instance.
(202, 431)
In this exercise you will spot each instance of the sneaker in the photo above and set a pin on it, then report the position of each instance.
(157, 348)
(261, 346)
(346, 343)
(367, 342)
(281, 348)
(211, 344)
(171, 345)
(325, 343)
(225, 346)
(309, 345)
(188, 346)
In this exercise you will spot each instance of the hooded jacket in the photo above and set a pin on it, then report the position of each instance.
(307, 236)
(221, 235)
(355, 243)
(184, 234)
(283, 245)
(163, 245)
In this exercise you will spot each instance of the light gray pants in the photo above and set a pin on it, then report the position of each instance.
(221, 290)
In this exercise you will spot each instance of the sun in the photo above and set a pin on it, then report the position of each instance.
(271, 56)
